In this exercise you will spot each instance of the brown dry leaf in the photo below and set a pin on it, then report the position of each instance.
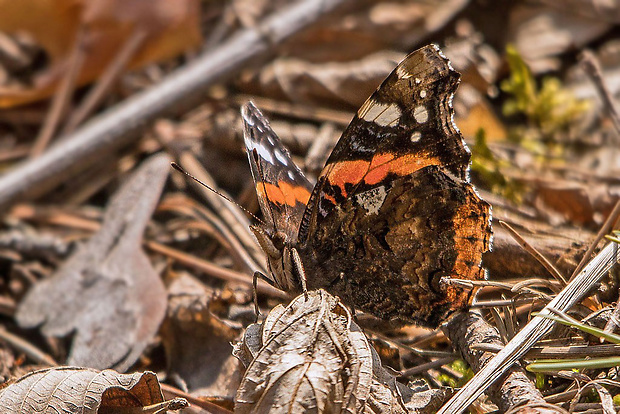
(197, 342)
(310, 357)
(300, 365)
(72, 390)
(108, 292)
(169, 27)
(326, 83)
(542, 33)
(569, 200)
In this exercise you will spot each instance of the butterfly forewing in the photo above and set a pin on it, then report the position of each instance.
(283, 190)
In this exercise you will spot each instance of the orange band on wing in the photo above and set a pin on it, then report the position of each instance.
(353, 172)
(283, 193)
(400, 166)
(347, 172)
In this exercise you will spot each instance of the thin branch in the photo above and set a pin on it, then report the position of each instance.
(592, 67)
(111, 74)
(468, 329)
(62, 97)
(179, 91)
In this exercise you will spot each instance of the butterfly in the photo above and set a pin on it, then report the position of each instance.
(392, 216)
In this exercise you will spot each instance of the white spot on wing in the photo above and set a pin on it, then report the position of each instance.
(281, 157)
(372, 200)
(415, 136)
(382, 114)
(420, 114)
(423, 93)
(264, 153)
(402, 72)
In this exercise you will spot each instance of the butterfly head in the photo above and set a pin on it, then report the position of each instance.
(280, 258)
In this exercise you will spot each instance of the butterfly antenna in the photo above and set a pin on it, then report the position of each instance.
(180, 169)
(262, 176)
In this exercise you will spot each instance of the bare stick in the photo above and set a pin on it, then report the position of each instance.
(62, 97)
(181, 90)
(593, 69)
(467, 329)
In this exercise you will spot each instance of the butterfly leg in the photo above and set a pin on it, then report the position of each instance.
(258, 275)
(299, 267)
(349, 296)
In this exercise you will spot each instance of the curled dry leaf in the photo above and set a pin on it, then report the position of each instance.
(83, 390)
(102, 28)
(108, 292)
(310, 357)
(197, 341)
(346, 83)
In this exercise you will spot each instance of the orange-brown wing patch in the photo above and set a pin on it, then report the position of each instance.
(401, 166)
(346, 172)
(283, 193)
(373, 172)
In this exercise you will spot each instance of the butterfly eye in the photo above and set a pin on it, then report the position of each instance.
(278, 240)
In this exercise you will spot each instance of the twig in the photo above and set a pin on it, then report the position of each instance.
(213, 270)
(534, 330)
(605, 229)
(27, 348)
(62, 97)
(296, 110)
(531, 250)
(111, 73)
(231, 214)
(592, 67)
(179, 91)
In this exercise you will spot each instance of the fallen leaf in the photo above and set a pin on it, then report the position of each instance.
(102, 28)
(83, 390)
(107, 292)
(334, 82)
(570, 200)
(542, 34)
(195, 338)
(310, 357)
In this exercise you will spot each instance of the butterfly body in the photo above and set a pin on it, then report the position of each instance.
(392, 214)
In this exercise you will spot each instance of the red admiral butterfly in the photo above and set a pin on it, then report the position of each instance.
(392, 213)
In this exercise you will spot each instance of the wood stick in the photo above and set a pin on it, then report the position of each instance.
(179, 91)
